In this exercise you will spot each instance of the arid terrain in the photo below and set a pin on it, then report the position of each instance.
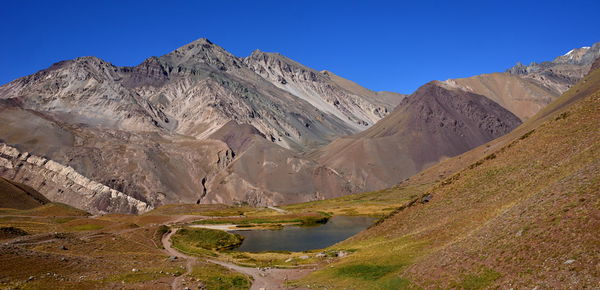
(306, 145)
(519, 210)
(200, 125)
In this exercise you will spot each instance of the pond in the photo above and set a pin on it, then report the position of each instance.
(302, 238)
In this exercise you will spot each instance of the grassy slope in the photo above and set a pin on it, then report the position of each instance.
(49, 209)
(515, 218)
(100, 254)
(218, 277)
(198, 241)
(308, 218)
(375, 203)
(195, 209)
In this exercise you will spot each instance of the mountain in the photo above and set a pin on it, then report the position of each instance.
(200, 125)
(151, 131)
(522, 96)
(562, 72)
(435, 122)
(524, 90)
(524, 214)
(324, 90)
(191, 91)
(404, 143)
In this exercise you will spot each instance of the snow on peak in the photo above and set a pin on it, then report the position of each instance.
(570, 51)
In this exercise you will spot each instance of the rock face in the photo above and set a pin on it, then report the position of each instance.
(152, 167)
(85, 90)
(64, 184)
(193, 91)
(321, 89)
(201, 87)
(595, 65)
(561, 73)
(435, 122)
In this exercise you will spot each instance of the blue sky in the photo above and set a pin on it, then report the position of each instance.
(382, 45)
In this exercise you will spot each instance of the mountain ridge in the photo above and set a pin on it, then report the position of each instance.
(200, 125)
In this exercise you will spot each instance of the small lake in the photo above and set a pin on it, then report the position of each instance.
(301, 238)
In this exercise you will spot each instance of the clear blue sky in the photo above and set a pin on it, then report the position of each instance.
(382, 45)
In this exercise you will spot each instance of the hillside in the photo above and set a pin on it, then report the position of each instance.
(520, 211)
(196, 125)
(524, 215)
(522, 96)
(19, 196)
(436, 122)
(281, 177)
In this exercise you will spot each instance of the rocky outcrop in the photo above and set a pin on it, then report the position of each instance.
(561, 73)
(63, 184)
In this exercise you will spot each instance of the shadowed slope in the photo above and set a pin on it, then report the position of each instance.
(19, 196)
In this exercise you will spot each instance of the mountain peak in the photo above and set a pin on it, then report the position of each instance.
(264, 55)
(202, 52)
(199, 41)
(196, 45)
(579, 56)
(202, 40)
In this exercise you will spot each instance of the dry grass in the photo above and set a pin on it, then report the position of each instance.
(376, 203)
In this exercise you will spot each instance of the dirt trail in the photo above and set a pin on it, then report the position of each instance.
(190, 261)
(267, 278)
(263, 278)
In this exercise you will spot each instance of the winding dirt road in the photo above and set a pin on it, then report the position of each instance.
(263, 278)
(190, 261)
